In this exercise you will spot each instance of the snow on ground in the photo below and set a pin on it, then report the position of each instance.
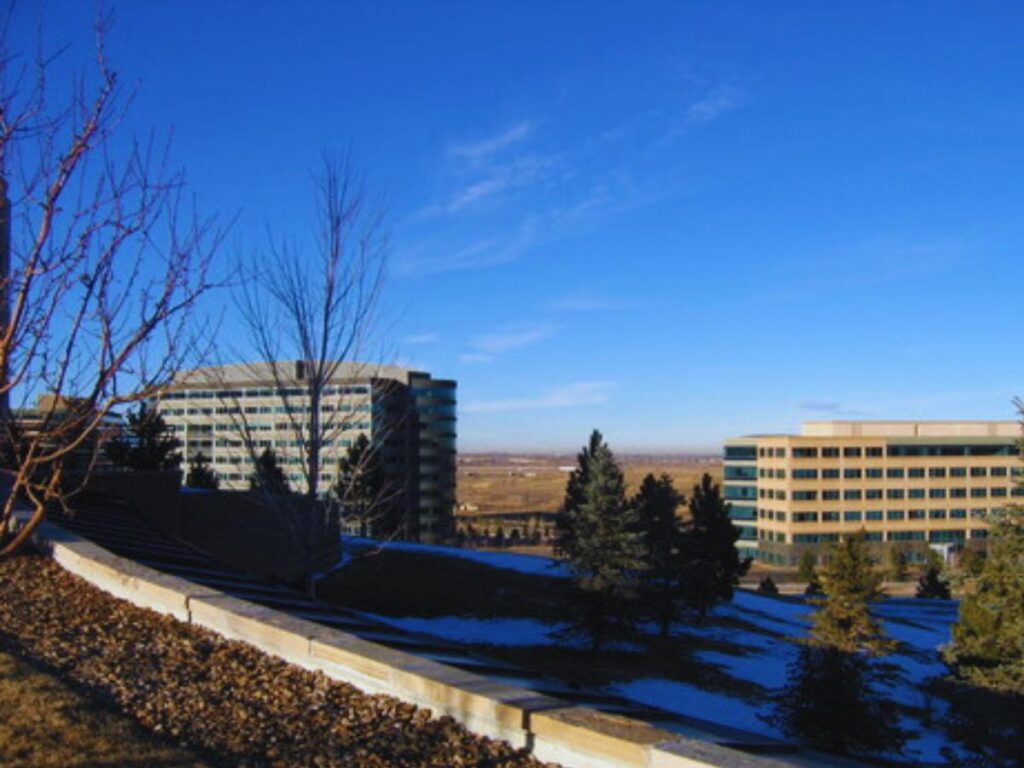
(532, 565)
(502, 631)
(921, 626)
(686, 699)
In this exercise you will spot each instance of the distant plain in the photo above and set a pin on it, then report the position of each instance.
(502, 483)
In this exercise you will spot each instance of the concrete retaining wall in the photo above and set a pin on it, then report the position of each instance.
(555, 731)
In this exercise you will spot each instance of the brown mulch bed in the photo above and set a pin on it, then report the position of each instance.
(238, 705)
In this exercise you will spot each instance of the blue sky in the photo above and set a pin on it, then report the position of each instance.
(675, 222)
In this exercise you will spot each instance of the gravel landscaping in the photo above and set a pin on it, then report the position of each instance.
(235, 704)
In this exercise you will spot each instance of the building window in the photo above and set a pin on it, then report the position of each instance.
(958, 493)
(852, 517)
(957, 514)
(936, 493)
(851, 495)
(805, 453)
(958, 471)
(873, 452)
(894, 493)
(830, 517)
(894, 473)
(873, 514)
(830, 495)
(805, 474)
(851, 453)
(979, 471)
(998, 492)
(937, 514)
(873, 473)
(873, 493)
(805, 517)
(915, 472)
(916, 493)
(979, 493)
(830, 474)
(895, 514)
(829, 453)
(998, 472)
(916, 514)
(936, 472)
(851, 474)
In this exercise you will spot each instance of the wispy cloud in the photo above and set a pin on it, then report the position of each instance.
(512, 338)
(831, 407)
(477, 152)
(518, 173)
(575, 395)
(487, 252)
(421, 339)
(585, 301)
(714, 105)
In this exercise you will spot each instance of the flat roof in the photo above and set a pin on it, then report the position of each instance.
(920, 429)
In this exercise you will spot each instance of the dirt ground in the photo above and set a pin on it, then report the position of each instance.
(495, 483)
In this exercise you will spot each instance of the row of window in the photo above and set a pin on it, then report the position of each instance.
(872, 515)
(856, 494)
(230, 394)
(264, 409)
(746, 453)
(948, 536)
(855, 473)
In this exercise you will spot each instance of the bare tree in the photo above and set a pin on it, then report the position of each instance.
(317, 308)
(104, 260)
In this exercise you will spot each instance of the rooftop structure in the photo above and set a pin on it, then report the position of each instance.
(910, 483)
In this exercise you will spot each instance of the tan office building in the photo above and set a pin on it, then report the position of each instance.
(912, 483)
(231, 413)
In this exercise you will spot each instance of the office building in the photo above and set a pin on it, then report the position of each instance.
(232, 413)
(912, 483)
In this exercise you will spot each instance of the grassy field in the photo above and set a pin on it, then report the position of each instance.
(45, 723)
(536, 483)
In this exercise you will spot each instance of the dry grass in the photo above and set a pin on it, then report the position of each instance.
(45, 723)
(505, 483)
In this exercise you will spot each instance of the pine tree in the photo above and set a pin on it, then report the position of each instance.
(365, 492)
(931, 585)
(200, 475)
(896, 563)
(269, 477)
(806, 567)
(149, 444)
(656, 504)
(851, 584)
(831, 700)
(598, 540)
(767, 587)
(711, 561)
(988, 640)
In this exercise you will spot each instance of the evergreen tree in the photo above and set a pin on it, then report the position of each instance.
(711, 561)
(269, 477)
(931, 585)
(851, 584)
(806, 567)
(598, 540)
(148, 445)
(660, 530)
(200, 475)
(831, 700)
(988, 640)
(896, 563)
(365, 492)
(767, 587)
